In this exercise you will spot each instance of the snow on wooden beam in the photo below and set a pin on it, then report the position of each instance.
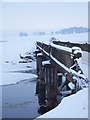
(62, 65)
(39, 54)
(67, 49)
(46, 62)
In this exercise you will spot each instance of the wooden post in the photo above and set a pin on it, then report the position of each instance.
(36, 52)
(40, 71)
(59, 78)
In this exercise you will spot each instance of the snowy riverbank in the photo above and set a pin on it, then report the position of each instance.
(74, 106)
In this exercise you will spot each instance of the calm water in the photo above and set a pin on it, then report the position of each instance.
(19, 100)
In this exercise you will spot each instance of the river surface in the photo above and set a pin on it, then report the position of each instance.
(18, 80)
(19, 100)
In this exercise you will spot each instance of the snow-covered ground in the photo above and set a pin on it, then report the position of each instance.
(74, 106)
(12, 47)
(12, 75)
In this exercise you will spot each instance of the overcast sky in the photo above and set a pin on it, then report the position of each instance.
(44, 15)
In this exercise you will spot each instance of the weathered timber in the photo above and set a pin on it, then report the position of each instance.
(83, 46)
(59, 78)
(61, 55)
(39, 59)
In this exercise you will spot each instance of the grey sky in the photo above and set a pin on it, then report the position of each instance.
(44, 15)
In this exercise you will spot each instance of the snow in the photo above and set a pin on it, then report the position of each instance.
(43, 50)
(74, 106)
(59, 74)
(71, 85)
(12, 78)
(61, 47)
(77, 51)
(75, 48)
(46, 62)
(64, 93)
(39, 54)
(10, 59)
(78, 74)
(10, 51)
(13, 73)
(60, 64)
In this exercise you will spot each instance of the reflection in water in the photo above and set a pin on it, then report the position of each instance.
(41, 91)
(47, 96)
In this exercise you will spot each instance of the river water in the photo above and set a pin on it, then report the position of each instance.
(18, 80)
(19, 98)
(18, 85)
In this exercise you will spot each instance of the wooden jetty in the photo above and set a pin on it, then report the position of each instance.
(56, 73)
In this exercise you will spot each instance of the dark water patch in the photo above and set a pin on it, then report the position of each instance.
(18, 105)
(19, 100)
(47, 97)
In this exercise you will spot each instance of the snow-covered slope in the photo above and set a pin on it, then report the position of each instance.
(74, 106)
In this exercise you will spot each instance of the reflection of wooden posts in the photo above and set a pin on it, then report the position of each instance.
(41, 92)
(51, 85)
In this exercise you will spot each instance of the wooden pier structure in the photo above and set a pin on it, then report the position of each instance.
(56, 73)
